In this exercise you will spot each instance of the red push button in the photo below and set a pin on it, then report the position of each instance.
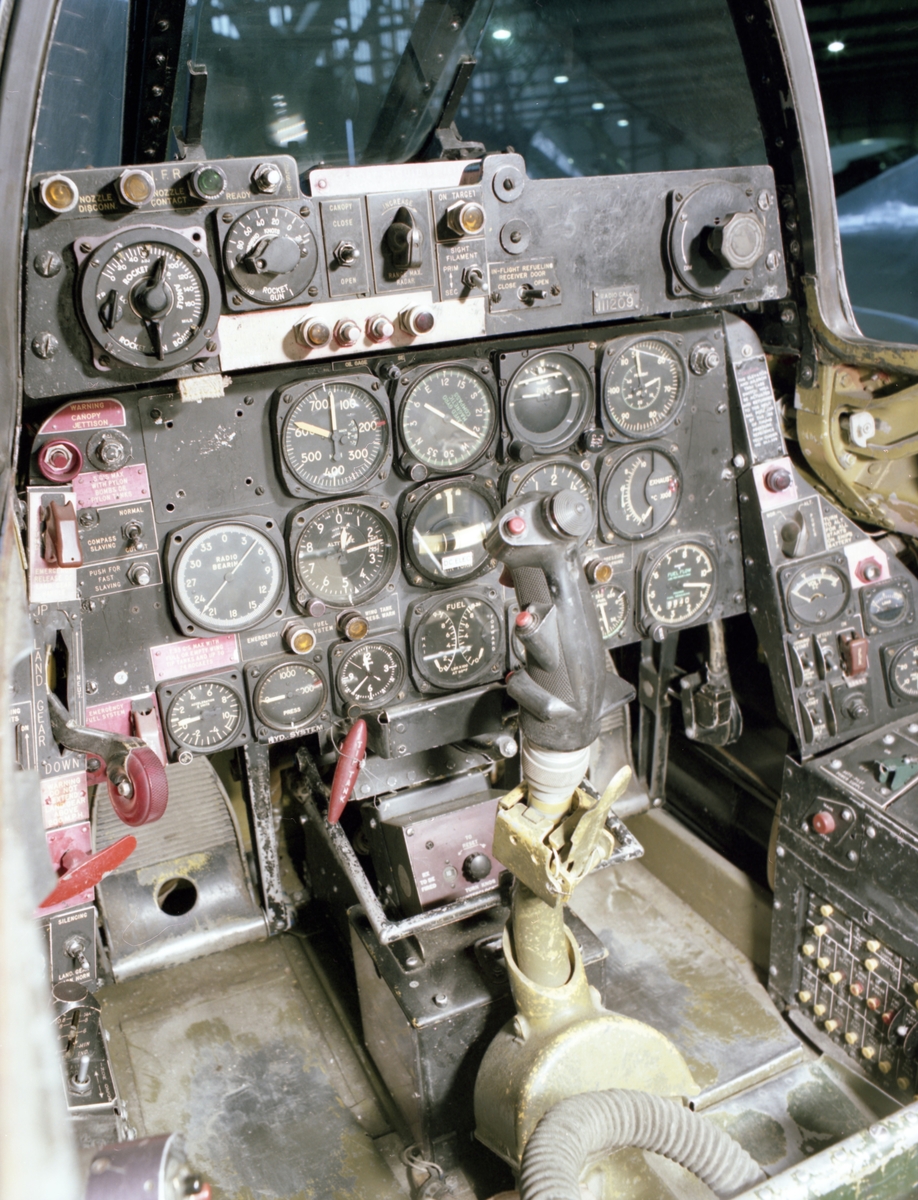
(524, 620)
(824, 823)
(516, 526)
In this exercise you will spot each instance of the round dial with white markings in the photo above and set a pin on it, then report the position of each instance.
(447, 418)
(205, 715)
(444, 535)
(458, 641)
(641, 493)
(226, 577)
(612, 608)
(369, 674)
(547, 477)
(288, 696)
(548, 401)
(150, 298)
(903, 671)
(643, 386)
(270, 254)
(817, 593)
(335, 436)
(680, 584)
(345, 553)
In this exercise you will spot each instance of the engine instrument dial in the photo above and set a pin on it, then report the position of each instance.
(206, 715)
(679, 585)
(447, 418)
(458, 642)
(548, 401)
(335, 435)
(641, 493)
(270, 254)
(227, 577)
(816, 594)
(612, 609)
(370, 674)
(344, 553)
(887, 605)
(150, 298)
(643, 386)
(288, 696)
(548, 477)
(445, 532)
(903, 671)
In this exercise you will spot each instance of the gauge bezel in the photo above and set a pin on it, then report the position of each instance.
(649, 620)
(611, 463)
(168, 694)
(582, 467)
(257, 676)
(404, 390)
(618, 633)
(300, 520)
(490, 670)
(191, 242)
(612, 352)
(339, 656)
(891, 654)
(908, 612)
(790, 574)
(412, 506)
(235, 288)
(177, 546)
(517, 364)
(288, 400)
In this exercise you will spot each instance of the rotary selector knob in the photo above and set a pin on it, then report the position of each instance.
(739, 242)
(476, 867)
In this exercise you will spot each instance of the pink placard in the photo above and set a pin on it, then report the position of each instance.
(115, 717)
(75, 837)
(64, 800)
(85, 414)
(194, 656)
(98, 489)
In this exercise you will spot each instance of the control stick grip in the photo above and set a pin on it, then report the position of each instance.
(562, 690)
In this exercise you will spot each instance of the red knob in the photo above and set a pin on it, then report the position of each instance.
(516, 526)
(824, 823)
(149, 790)
(351, 759)
(90, 871)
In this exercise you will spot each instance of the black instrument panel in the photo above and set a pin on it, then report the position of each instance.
(289, 507)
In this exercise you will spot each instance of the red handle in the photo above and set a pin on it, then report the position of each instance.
(90, 870)
(353, 756)
(149, 789)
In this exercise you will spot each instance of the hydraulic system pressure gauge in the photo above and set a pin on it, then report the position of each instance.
(548, 401)
(679, 585)
(643, 386)
(150, 298)
(548, 477)
(288, 696)
(225, 578)
(641, 493)
(457, 642)
(447, 418)
(335, 435)
(816, 594)
(445, 531)
(270, 254)
(903, 672)
(343, 553)
(370, 674)
(205, 715)
(611, 608)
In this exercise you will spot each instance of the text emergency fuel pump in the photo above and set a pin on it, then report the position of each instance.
(590, 1079)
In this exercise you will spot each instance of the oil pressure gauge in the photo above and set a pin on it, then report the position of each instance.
(150, 298)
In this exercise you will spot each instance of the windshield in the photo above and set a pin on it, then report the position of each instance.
(578, 87)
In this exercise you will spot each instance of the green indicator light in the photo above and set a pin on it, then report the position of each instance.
(209, 182)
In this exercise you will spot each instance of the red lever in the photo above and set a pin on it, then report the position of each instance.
(145, 797)
(351, 759)
(90, 870)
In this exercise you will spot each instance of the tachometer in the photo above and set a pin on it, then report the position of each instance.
(335, 435)
(227, 577)
(643, 386)
(641, 493)
(445, 531)
(458, 642)
(679, 585)
(343, 554)
(150, 298)
(447, 418)
(548, 400)
(816, 593)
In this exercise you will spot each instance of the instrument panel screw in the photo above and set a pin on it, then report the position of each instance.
(237, 300)
(441, 999)
(259, 491)
(91, 687)
(45, 345)
(48, 263)
(305, 211)
(226, 218)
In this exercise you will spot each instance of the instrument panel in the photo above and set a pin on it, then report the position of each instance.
(313, 540)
